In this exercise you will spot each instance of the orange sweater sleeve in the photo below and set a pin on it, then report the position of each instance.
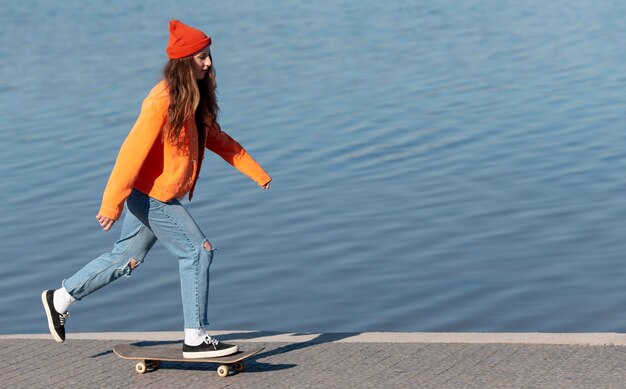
(131, 157)
(232, 152)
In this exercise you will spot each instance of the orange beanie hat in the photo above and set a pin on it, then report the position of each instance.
(185, 40)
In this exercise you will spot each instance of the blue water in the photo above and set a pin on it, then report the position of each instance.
(438, 166)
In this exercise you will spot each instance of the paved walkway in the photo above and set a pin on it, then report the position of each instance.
(327, 361)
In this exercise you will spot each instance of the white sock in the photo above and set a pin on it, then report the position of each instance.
(194, 336)
(62, 300)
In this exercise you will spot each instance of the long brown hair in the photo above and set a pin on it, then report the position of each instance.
(188, 96)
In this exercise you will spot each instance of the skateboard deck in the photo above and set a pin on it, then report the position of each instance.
(151, 357)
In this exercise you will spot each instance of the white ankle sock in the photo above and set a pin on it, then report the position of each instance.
(62, 300)
(194, 336)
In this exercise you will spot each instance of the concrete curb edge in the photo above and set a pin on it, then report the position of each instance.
(589, 339)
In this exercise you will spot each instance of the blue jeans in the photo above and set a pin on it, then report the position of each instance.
(147, 220)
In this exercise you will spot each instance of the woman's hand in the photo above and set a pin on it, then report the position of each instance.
(105, 222)
(266, 186)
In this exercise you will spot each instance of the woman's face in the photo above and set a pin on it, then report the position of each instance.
(202, 62)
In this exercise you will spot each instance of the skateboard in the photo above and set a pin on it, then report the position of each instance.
(151, 357)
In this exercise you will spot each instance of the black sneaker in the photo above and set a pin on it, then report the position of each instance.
(209, 348)
(56, 320)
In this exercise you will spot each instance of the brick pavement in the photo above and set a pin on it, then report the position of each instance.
(322, 363)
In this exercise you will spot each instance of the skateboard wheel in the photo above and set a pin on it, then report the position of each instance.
(154, 365)
(222, 371)
(140, 367)
(239, 366)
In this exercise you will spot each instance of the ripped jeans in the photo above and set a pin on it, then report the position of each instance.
(147, 220)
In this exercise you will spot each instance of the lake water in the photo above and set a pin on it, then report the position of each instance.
(437, 166)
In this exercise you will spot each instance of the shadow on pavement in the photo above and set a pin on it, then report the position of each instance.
(252, 365)
(320, 339)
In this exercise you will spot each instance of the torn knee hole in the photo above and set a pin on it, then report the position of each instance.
(133, 263)
(207, 246)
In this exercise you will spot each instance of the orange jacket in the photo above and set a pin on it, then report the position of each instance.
(161, 169)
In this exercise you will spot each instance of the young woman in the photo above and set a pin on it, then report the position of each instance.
(157, 165)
